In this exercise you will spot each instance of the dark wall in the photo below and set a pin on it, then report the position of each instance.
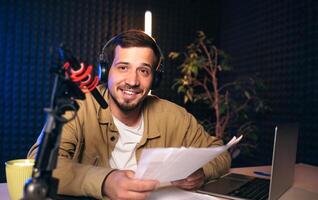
(28, 29)
(278, 40)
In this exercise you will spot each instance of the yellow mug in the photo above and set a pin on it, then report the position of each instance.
(17, 172)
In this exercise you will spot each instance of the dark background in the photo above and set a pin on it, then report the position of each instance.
(276, 39)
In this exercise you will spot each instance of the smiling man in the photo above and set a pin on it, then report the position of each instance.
(100, 148)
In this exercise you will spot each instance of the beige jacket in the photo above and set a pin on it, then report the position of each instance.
(88, 140)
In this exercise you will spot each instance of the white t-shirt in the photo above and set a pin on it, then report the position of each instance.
(123, 155)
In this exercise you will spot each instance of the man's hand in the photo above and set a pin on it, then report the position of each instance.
(120, 184)
(193, 181)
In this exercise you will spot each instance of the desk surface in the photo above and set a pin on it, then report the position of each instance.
(4, 192)
(306, 179)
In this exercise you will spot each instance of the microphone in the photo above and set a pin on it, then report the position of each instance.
(82, 75)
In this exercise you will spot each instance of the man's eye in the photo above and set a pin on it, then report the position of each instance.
(145, 72)
(122, 68)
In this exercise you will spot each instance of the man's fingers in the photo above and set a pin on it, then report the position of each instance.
(178, 182)
(195, 177)
(130, 173)
(190, 185)
(138, 195)
(192, 182)
(120, 185)
(187, 183)
(132, 195)
(142, 185)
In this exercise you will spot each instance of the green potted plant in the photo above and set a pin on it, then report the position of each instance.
(206, 77)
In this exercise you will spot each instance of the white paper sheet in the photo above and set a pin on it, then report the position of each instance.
(170, 164)
(173, 193)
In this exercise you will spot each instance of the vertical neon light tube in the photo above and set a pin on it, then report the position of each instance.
(148, 22)
(148, 28)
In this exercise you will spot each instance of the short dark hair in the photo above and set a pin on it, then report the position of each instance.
(130, 38)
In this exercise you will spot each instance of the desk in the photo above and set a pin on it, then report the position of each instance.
(4, 195)
(306, 179)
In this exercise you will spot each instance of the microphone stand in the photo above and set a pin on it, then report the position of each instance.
(42, 186)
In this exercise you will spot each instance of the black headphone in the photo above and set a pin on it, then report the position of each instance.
(104, 63)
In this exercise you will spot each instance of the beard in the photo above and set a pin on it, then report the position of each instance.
(126, 106)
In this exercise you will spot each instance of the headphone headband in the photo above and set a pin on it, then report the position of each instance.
(159, 66)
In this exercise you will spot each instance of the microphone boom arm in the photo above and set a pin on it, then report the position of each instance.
(42, 186)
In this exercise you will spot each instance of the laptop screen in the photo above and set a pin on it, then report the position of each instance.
(284, 158)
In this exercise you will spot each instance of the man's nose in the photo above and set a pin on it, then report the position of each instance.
(132, 79)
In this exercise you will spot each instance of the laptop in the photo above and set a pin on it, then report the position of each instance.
(238, 186)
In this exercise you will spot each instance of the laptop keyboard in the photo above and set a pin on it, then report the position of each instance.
(256, 189)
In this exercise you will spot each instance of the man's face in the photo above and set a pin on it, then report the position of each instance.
(130, 77)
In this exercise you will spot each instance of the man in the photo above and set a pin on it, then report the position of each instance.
(100, 148)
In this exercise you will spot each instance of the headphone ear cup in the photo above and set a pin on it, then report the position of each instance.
(103, 72)
(156, 79)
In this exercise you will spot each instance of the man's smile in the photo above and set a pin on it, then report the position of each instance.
(130, 93)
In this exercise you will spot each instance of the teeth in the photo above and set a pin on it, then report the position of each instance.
(128, 92)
